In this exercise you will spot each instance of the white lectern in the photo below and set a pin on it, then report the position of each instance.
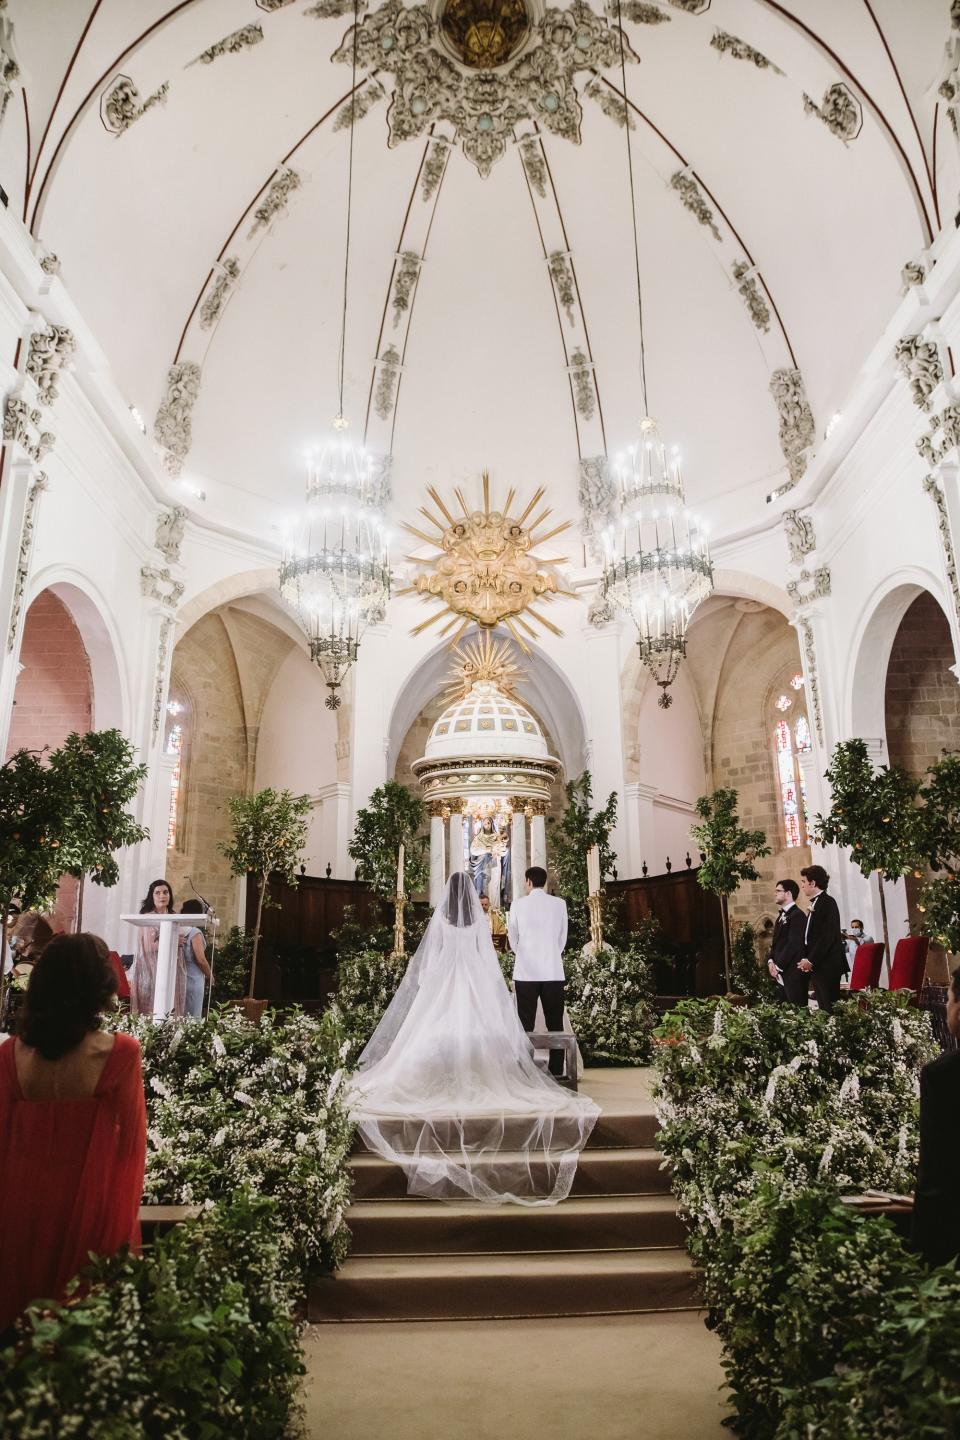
(166, 979)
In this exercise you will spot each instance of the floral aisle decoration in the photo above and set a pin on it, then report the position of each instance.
(609, 998)
(231, 1106)
(767, 1116)
(194, 1337)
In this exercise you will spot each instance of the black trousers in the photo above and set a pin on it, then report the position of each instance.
(796, 985)
(550, 994)
(826, 988)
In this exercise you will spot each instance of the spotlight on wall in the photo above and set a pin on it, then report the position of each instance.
(138, 419)
(193, 490)
(832, 424)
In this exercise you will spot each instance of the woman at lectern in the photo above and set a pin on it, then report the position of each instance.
(73, 1128)
(143, 979)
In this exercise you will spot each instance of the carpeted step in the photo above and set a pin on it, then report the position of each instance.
(439, 1287)
(424, 1227)
(623, 1171)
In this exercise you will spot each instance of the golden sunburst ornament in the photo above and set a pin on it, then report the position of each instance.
(485, 570)
(478, 659)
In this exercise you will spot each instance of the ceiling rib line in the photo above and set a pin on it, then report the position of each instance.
(821, 44)
(246, 211)
(94, 90)
(26, 182)
(57, 98)
(927, 165)
(587, 379)
(576, 286)
(685, 163)
(413, 241)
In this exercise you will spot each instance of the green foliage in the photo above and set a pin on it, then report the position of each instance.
(64, 812)
(874, 812)
(940, 899)
(729, 853)
(232, 1105)
(729, 850)
(393, 817)
(748, 970)
(269, 833)
(368, 980)
(608, 999)
(231, 962)
(768, 1115)
(194, 1338)
(578, 828)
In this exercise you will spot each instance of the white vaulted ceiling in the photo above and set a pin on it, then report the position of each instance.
(139, 219)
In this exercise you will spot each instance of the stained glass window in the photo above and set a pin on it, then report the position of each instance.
(797, 682)
(790, 792)
(174, 747)
(801, 731)
(784, 702)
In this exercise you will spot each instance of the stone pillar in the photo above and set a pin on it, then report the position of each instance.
(538, 834)
(640, 827)
(334, 836)
(456, 835)
(436, 854)
(19, 503)
(518, 846)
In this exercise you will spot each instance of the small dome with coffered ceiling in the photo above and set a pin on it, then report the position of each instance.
(489, 723)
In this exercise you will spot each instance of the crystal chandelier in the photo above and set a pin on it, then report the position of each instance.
(335, 572)
(657, 570)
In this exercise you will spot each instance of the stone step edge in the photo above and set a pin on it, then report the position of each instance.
(496, 1318)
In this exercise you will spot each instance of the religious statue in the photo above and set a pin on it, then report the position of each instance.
(490, 862)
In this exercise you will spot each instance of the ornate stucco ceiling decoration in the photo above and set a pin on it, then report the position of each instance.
(485, 571)
(484, 34)
(483, 106)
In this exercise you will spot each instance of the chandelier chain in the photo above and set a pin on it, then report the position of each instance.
(633, 212)
(346, 248)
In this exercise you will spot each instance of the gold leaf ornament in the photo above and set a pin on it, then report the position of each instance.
(485, 570)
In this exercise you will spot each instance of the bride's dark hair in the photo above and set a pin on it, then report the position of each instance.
(461, 900)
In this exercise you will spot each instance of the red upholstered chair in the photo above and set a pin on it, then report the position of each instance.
(867, 964)
(909, 964)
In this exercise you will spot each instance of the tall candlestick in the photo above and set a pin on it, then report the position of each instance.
(593, 870)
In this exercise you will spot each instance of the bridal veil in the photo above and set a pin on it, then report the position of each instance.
(448, 1087)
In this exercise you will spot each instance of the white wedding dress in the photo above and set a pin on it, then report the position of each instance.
(448, 1087)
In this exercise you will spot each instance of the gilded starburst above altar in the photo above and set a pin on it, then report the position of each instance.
(482, 658)
(482, 68)
(485, 570)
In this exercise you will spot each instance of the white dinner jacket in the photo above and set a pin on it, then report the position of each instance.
(538, 933)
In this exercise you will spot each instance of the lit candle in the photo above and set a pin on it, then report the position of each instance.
(593, 870)
(400, 871)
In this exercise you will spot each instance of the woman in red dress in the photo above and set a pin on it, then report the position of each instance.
(73, 1129)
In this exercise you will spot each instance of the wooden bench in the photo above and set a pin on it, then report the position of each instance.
(157, 1219)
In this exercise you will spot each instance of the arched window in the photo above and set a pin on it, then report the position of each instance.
(791, 739)
(177, 715)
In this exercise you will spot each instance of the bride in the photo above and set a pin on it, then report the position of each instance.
(448, 1087)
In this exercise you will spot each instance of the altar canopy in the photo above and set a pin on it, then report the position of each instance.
(487, 775)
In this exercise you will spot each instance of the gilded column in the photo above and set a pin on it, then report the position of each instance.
(437, 815)
(538, 833)
(456, 834)
(518, 845)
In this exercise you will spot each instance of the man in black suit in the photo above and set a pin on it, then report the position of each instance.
(937, 1200)
(824, 955)
(786, 946)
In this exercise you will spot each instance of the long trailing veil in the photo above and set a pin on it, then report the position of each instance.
(448, 1087)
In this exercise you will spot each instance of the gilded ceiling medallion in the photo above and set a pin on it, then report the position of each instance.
(485, 570)
(484, 34)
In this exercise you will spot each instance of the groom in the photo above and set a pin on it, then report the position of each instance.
(538, 933)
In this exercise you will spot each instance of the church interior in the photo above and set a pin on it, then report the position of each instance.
(494, 431)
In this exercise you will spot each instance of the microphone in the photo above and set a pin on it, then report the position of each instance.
(205, 903)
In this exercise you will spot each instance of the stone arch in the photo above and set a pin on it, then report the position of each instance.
(101, 639)
(863, 712)
(547, 690)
